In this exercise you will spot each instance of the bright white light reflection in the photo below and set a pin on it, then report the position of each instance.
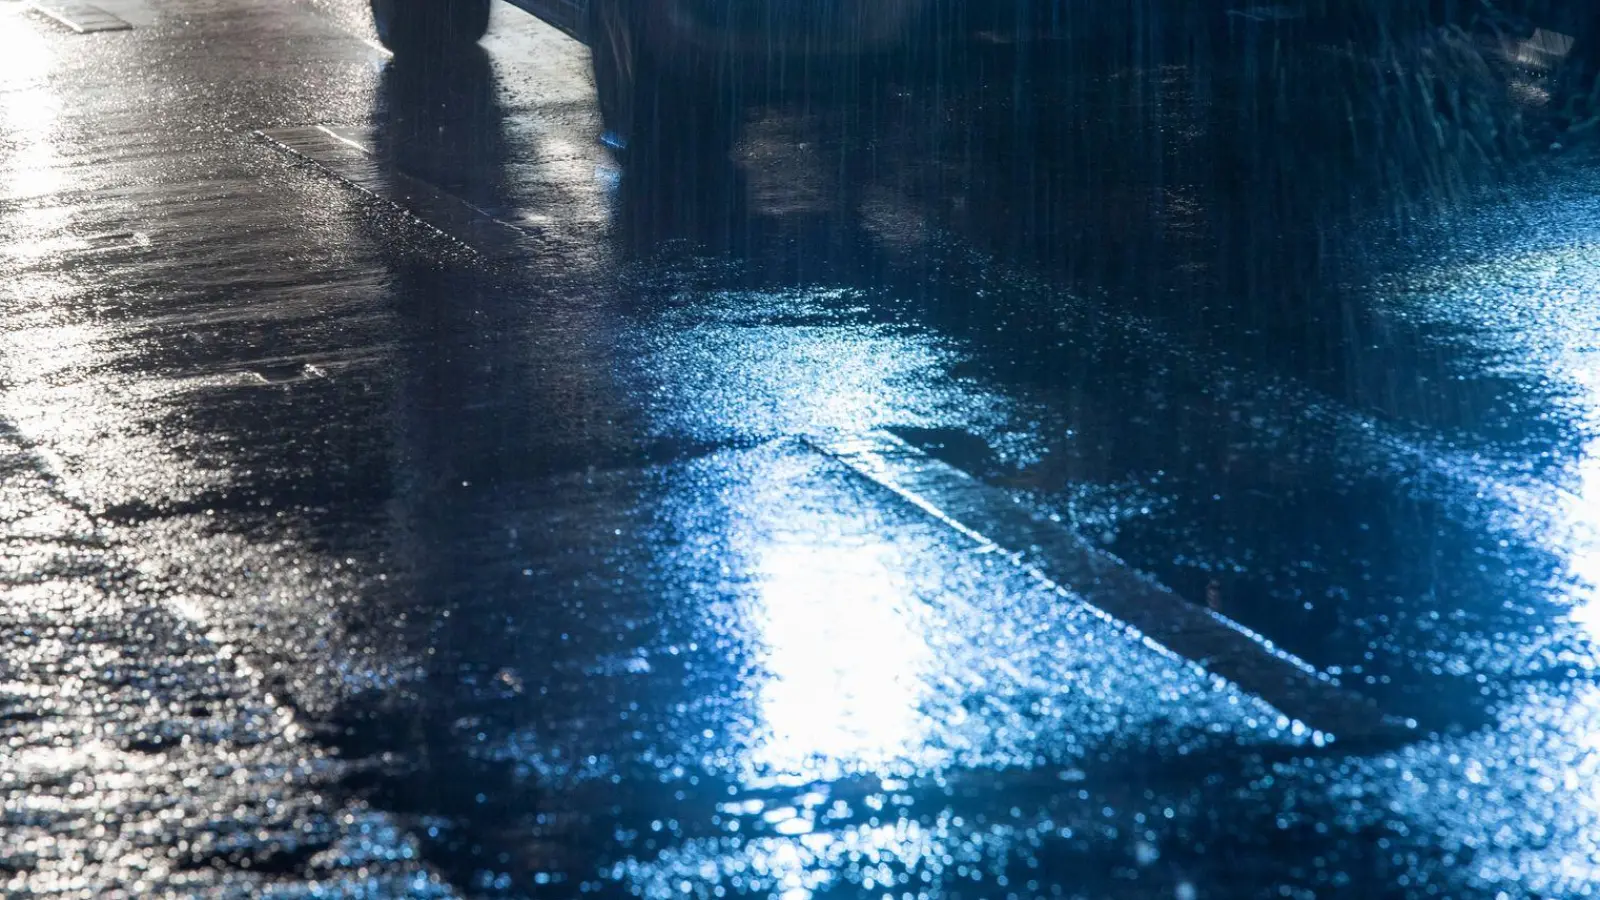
(1565, 335)
(34, 223)
(30, 168)
(22, 49)
(1534, 314)
(844, 659)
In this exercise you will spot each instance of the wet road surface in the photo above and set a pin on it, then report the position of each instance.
(1159, 487)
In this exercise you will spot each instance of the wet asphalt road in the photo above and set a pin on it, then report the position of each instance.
(402, 499)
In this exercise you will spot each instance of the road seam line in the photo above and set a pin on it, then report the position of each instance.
(353, 163)
(83, 18)
(1066, 563)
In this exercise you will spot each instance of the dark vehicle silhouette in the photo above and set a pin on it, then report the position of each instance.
(681, 68)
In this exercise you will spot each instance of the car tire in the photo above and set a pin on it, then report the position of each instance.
(651, 110)
(420, 27)
(612, 47)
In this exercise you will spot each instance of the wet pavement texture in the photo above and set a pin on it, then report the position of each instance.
(1155, 475)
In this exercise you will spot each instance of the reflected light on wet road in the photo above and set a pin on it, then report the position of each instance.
(29, 163)
(35, 226)
(844, 660)
(1528, 313)
(762, 364)
(886, 706)
(1525, 314)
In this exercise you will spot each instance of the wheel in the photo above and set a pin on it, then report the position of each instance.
(1576, 93)
(1582, 78)
(649, 109)
(422, 26)
(611, 44)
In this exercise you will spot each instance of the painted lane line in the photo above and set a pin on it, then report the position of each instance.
(84, 18)
(1052, 552)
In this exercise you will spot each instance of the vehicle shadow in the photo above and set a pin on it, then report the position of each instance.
(442, 123)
